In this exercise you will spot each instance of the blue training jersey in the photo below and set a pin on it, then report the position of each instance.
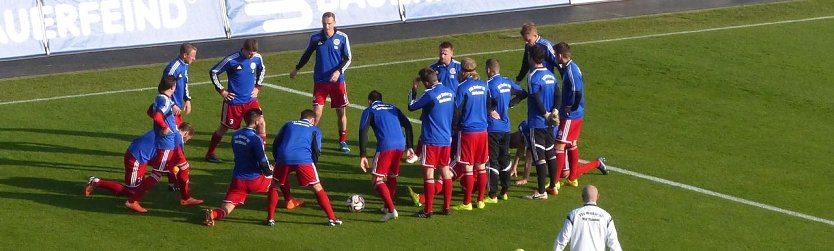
(471, 99)
(550, 61)
(298, 142)
(387, 122)
(143, 148)
(179, 70)
(245, 74)
(448, 74)
(438, 109)
(543, 84)
(249, 154)
(573, 99)
(501, 90)
(332, 54)
(163, 104)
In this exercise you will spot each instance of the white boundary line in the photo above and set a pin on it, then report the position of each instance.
(620, 170)
(470, 54)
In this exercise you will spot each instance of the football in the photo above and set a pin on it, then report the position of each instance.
(355, 203)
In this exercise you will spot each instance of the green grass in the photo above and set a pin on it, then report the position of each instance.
(744, 112)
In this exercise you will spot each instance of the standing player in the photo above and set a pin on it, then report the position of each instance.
(531, 40)
(437, 103)
(245, 70)
(543, 90)
(501, 92)
(386, 121)
(297, 148)
(178, 69)
(332, 59)
(447, 67)
(470, 120)
(136, 159)
(572, 110)
(252, 172)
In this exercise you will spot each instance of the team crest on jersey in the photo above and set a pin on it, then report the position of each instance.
(252, 65)
(336, 41)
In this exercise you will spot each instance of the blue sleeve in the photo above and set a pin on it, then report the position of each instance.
(220, 67)
(160, 104)
(423, 101)
(260, 71)
(570, 86)
(318, 139)
(276, 142)
(257, 145)
(363, 131)
(311, 46)
(461, 92)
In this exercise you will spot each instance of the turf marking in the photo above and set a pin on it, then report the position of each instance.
(612, 168)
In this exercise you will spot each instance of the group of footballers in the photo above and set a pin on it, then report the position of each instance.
(465, 131)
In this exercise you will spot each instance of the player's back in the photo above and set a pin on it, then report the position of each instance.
(386, 125)
(543, 83)
(248, 148)
(572, 89)
(500, 90)
(591, 225)
(143, 148)
(448, 74)
(437, 120)
(472, 98)
(296, 142)
(164, 105)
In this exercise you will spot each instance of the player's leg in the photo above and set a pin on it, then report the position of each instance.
(480, 168)
(216, 214)
(236, 195)
(338, 101)
(428, 190)
(504, 163)
(480, 157)
(493, 166)
(308, 176)
(281, 174)
(226, 120)
(561, 145)
(537, 146)
(272, 202)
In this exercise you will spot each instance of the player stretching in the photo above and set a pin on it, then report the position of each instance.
(386, 121)
(136, 159)
(245, 70)
(252, 172)
(437, 103)
(501, 92)
(178, 69)
(572, 110)
(297, 148)
(332, 59)
(470, 121)
(531, 40)
(543, 90)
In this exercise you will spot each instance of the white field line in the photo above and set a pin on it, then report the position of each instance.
(620, 170)
(470, 54)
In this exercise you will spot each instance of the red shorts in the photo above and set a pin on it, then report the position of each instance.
(165, 160)
(238, 189)
(568, 130)
(232, 115)
(306, 174)
(387, 163)
(134, 171)
(473, 148)
(434, 156)
(336, 91)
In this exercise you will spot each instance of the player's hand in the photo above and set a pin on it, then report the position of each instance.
(494, 114)
(514, 171)
(363, 163)
(293, 73)
(228, 96)
(187, 107)
(255, 92)
(335, 76)
(415, 83)
(411, 157)
(176, 109)
(167, 131)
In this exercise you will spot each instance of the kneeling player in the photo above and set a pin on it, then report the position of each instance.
(386, 121)
(252, 172)
(296, 148)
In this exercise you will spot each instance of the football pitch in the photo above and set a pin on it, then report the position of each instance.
(718, 123)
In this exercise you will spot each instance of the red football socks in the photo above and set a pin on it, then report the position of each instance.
(382, 189)
(482, 182)
(428, 187)
(561, 162)
(469, 184)
(447, 193)
(115, 187)
(215, 141)
(392, 186)
(272, 202)
(324, 203)
(182, 182)
(146, 185)
(218, 213)
(576, 169)
(342, 135)
(285, 190)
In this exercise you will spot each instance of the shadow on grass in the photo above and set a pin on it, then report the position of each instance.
(59, 165)
(52, 148)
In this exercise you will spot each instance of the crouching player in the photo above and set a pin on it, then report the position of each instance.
(386, 121)
(252, 172)
(296, 148)
(136, 159)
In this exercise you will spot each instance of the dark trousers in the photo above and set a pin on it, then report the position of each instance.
(499, 162)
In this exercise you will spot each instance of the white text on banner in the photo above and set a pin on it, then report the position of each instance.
(21, 32)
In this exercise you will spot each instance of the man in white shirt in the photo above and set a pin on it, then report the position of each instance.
(588, 227)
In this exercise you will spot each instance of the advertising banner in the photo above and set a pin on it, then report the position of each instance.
(428, 9)
(254, 17)
(77, 25)
(21, 32)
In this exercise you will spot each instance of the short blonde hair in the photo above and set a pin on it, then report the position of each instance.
(528, 28)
